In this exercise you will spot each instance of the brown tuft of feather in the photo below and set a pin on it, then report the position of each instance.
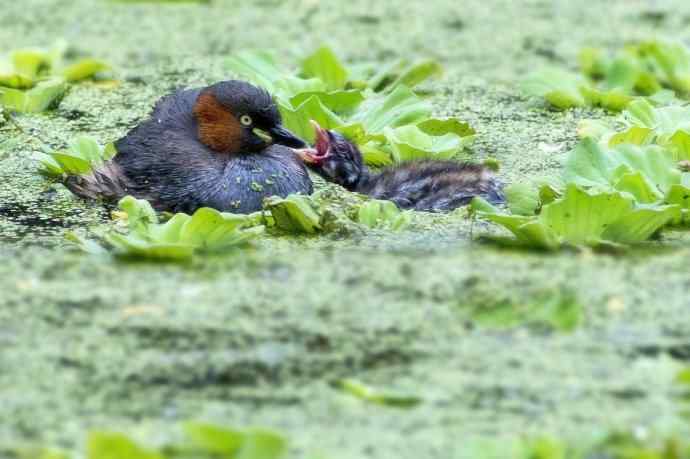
(218, 128)
(106, 183)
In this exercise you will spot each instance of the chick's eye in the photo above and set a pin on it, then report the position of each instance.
(246, 120)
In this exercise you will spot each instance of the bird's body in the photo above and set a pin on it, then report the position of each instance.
(193, 152)
(430, 185)
(425, 185)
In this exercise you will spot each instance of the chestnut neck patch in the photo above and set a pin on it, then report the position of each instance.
(218, 128)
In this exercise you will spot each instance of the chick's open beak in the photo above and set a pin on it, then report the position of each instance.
(316, 155)
(282, 136)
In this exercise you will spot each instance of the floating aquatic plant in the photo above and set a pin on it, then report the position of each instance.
(179, 238)
(640, 170)
(80, 157)
(653, 68)
(378, 108)
(377, 396)
(309, 214)
(35, 80)
(201, 440)
(581, 217)
(383, 214)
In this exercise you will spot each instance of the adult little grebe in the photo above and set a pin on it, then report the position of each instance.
(426, 185)
(222, 146)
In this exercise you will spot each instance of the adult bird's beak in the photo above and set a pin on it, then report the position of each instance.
(282, 136)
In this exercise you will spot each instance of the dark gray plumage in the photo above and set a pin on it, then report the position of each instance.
(165, 160)
(425, 185)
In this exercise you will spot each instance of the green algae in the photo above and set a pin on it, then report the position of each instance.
(254, 337)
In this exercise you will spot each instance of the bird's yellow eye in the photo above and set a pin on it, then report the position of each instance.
(246, 120)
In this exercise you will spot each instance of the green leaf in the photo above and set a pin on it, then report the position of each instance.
(342, 101)
(214, 439)
(410, 142)
(378, 213)
(298, 119)
(30, 62)
(639, 186)
(582, 217)
(522, 198)
(392, 75)
(140, 214)
(209, 230)
(180, 237)
(83, 69)
(559, 88)
(324, 64)
(377, 396)
(81, 157)
(102, 445)
(679, 195)
(67, 163)
(615, 99)
(437, 127)
(256, 66)
(262, 444)
(294, 89)
(635, 135)
(640, 224)
(294, 214)
(400, 107)
(417, 73)
(43, 96)
(15, 81)
(376, 155)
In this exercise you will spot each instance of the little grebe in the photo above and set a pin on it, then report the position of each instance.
(222, 146)
(427, 185)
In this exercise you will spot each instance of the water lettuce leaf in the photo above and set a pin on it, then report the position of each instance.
(325, 65)
(377, 396)
(378, 213)
(298, 119)
(359, 102)
(79, 158)
(294, 214)
(561, 89)
(648, 173)
(584, 217)
(43, 96)
(34, 80)
(207, 230)
(84, 69)
(410, 143)
(656, 68)
(106, 445)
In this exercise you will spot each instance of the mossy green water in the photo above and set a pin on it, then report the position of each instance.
(255, 337)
